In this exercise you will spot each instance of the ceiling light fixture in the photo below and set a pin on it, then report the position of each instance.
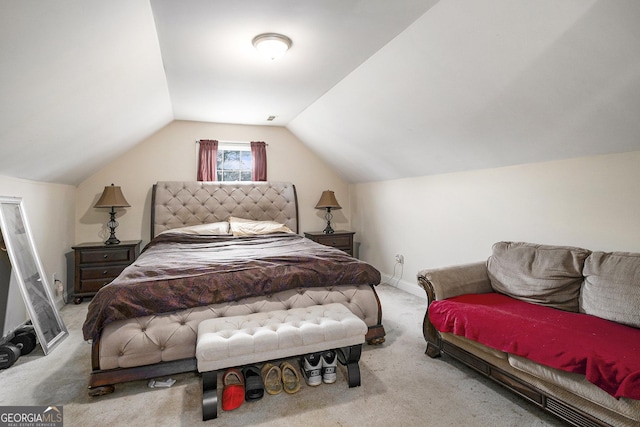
(272, 45)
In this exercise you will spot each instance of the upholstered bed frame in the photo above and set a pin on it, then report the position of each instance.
(180, 204)
(164, 344)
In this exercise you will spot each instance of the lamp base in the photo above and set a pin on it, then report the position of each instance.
(112, 241)
(112, 224)
(328, 229)
(328, 216)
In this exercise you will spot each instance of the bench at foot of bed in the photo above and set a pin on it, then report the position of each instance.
(226, 342)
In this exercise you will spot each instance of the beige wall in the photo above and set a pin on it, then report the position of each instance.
(170, 155)
(442, 220)
(50, 214)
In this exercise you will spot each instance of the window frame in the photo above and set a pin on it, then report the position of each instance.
(234, 146)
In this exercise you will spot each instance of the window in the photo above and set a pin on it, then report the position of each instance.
(231, 161)
(234, 162)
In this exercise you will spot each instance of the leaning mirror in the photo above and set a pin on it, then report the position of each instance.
(25, 265)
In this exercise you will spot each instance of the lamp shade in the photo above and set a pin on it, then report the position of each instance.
(112, 197)
(328, 200)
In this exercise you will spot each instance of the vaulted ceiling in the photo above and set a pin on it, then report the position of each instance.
(379, 89)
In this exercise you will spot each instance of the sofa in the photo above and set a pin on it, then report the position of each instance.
(557, 325)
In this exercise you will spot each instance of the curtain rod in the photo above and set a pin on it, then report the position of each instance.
(231, 142)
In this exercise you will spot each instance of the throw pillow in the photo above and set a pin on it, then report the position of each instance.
(540, 274)
(211, 229)
(611, 287)
(248, 227)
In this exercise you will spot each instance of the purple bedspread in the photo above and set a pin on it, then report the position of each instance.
(176, 272)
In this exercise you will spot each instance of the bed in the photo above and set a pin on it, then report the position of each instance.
(216, 249)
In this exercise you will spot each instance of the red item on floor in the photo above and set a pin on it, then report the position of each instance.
(233, 392)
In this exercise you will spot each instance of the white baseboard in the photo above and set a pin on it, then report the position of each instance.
(403, 285)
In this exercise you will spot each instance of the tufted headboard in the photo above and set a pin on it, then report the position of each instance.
(183, 203)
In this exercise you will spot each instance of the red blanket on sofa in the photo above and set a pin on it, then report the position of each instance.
(607, 353)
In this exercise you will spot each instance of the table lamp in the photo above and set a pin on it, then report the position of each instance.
(112, 197)
(328, 201)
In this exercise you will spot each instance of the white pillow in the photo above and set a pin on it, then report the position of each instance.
(212, 229)
(248, 227)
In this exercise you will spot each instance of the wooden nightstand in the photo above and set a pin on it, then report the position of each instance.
(341, 239)
(97, 264)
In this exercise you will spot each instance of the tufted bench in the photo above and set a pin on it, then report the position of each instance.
(226, 342)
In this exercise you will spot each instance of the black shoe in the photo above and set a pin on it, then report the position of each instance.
(253, 386)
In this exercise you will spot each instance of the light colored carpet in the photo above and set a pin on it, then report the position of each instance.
(401, 386)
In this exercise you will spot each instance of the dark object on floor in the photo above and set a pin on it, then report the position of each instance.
(9, 353)
(25, 340)
(22, 343)
(254, 389)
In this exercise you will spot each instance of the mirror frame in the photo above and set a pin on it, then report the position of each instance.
(36, 293)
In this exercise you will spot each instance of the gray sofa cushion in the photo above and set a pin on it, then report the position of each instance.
(611, 287)
(540, 274)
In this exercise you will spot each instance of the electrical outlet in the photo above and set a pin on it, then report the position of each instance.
(399, 259)
(57, 284)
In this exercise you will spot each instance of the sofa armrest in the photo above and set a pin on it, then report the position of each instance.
(456, 280)
(447, 282)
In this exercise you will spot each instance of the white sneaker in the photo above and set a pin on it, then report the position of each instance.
(329, 367)
(311, 367)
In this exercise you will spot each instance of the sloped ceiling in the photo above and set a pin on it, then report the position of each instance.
(81, 83)
(477, 84)
(379, 89)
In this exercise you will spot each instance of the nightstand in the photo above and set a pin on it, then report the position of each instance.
(97, 264)
(341, 239)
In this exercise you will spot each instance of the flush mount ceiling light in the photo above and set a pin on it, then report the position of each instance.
(272, 45)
